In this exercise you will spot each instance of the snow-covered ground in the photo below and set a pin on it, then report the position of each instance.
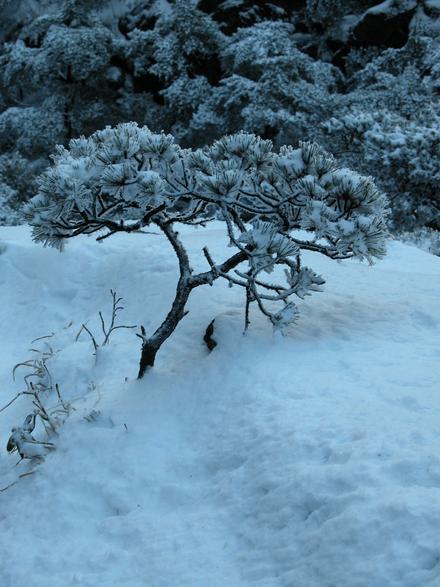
(308, 461)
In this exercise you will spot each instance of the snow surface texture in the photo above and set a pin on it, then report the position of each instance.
(309, 461)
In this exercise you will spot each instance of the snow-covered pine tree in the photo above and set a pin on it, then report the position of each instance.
(65, 56)
(274, 205)
(182, 53)
(390, 120)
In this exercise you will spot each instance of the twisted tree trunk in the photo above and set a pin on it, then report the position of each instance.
(187, 282)
(151, 345)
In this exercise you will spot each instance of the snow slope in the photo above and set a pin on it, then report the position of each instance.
(308, 461)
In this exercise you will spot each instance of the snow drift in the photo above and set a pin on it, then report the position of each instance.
(310, 460)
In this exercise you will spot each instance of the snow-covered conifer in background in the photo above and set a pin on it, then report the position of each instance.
(270, 87)
(274, 205)
(54, 83)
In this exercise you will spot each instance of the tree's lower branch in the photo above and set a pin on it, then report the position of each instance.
(308, 246)
(209, 276)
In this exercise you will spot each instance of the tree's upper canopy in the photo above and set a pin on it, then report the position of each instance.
(122, 178)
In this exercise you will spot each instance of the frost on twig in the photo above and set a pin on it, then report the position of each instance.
(36, 367)
(51, 417)
(49, 411)
(2, 489)
(107, 329)
(35, 437)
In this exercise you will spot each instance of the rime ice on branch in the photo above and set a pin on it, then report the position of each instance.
(126, 178)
